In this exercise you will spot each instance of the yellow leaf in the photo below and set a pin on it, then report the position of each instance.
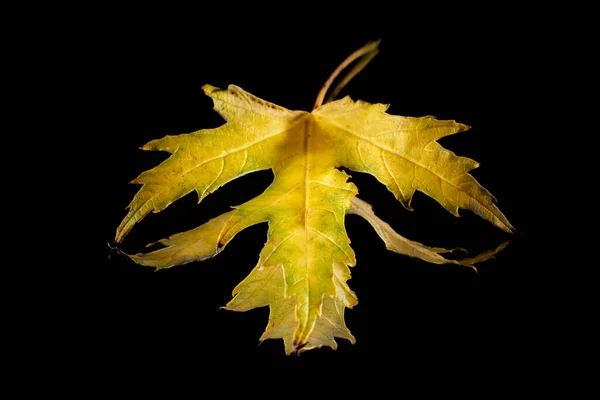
(303, 269)
(207, 159)
(402, 153)
(401, 245)
(182, 248)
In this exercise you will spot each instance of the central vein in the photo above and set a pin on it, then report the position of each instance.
(306, 208)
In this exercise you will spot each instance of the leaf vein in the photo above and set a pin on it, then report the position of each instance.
(332, 241)
(279, 244)
(441, 177)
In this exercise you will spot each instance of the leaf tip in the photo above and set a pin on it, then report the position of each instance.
(152, 145)
(507, 227)
(463, 127)
(405, 201)
(119, 236)
(209, 89)
(372, 45)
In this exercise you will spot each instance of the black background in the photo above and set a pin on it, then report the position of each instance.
(480, 70)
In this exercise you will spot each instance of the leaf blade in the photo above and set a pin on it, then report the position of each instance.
(204, 160)
(303, 269)
(401, 245)
(182, 248)
(401, 152)
(305, 209)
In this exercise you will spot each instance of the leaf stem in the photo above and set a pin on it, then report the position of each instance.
(367, 52)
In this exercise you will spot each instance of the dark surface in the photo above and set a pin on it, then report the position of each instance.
(409, 312)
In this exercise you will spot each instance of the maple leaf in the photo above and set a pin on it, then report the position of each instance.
(303, 269)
